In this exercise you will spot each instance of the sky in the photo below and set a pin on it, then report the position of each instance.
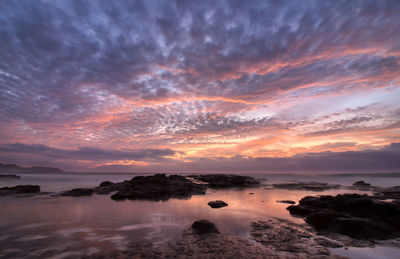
(200, 86)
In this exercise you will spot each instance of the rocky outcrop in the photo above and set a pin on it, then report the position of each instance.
(204, 226)
(106, 183)
(226, 180)
(78, 192)
(217, 204)
(155, 187)
(361, 185)
(9, 177)
(309, 186)
(355, 215)
(20, 189)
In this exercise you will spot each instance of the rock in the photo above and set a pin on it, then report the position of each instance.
(362, 228)
(226, 181)
(355, 215)
(217, 204)
(78, 192)
(388, 193)
(361, 185)
(323, 219)
(155, 187)
(20, 189)
(106, 183)
(287, 201)
(299, 210)
(310, 186)
(290, 240)
(204, 226)
(9, 177)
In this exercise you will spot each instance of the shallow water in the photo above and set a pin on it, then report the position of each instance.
(67, 227)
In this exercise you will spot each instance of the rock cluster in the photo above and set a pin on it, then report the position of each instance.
(355, 215)
(154, 187)
(19, 189)
(78, 192)
(272, 239)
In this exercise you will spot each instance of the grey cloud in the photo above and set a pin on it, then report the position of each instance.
(85, 153)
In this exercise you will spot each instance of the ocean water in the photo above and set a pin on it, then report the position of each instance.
(45, 226)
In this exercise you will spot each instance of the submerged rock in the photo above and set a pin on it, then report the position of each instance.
(204, 226)
(361, 185)
(9, 177)
(155, 187)
(226, 180)
(287, 201)
(78, 192)
(310, 186)
(20, 189)
(217, 204)
(355, 215)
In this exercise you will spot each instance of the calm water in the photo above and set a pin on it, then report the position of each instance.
(67, 227)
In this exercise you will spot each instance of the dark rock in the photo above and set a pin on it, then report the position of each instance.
(106, 183)
(355, 215)
(78, 192)
(323, 219)
(155, 187)
(361, 185)
(217, 204)
(19, 189)
(226, 181)
(287, 201)
(310, 186)
(362, 228)
(388, 193)
(299, 210)
(204, 226)
(9, 177)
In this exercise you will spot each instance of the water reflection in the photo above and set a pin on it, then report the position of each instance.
(47, 226)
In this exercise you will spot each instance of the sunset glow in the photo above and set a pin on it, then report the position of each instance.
(165, 86)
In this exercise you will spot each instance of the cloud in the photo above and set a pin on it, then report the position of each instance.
(144, 75)
(39, 153)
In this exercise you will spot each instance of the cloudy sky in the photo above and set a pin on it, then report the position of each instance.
(227, 86)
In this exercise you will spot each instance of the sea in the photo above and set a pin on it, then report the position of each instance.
(51, 226)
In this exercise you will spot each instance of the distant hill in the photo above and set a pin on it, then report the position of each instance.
(12, 168)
